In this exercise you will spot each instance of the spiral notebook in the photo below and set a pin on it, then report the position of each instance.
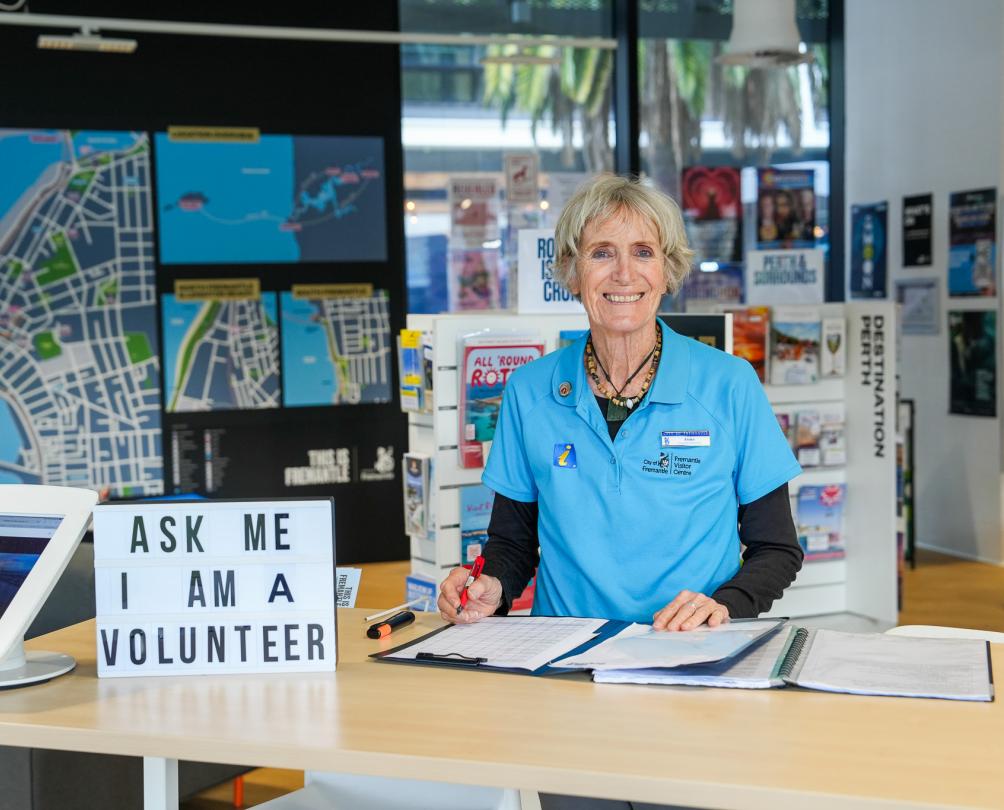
(833, 661)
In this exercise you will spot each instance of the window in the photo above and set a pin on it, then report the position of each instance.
(697, 112)
(465, 109)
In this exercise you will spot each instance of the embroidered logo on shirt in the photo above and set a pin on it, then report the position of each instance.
(677, 465)
(658, 466)
(564, 455)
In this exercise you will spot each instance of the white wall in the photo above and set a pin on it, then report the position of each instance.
(924, 93)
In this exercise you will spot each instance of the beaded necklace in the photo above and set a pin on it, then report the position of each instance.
(619, 406)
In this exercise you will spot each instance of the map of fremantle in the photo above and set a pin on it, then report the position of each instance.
(220, 353)
(280, 198)
(79, 369)
(336, 344)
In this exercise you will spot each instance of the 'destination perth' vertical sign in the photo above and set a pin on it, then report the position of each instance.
(215, 587)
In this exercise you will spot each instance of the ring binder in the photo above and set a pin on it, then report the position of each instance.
(794, 651)
(833, 661)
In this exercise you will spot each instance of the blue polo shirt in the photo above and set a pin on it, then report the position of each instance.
(626, 524)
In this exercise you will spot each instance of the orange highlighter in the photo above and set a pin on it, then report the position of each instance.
(388, 626)
(479, 563)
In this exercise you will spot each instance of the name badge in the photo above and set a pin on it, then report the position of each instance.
(685, 438)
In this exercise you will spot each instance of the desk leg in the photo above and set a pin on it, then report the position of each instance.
(160, 783)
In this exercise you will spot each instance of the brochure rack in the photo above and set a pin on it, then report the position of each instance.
(864, 582)
(437, 434)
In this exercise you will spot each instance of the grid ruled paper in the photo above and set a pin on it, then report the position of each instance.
(525, 642)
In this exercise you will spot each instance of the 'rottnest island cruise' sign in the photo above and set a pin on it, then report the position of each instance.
(214, 587)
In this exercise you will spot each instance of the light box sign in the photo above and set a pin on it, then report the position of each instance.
(193, 588)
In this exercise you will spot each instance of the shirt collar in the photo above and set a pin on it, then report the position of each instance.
(569, 374)
(671, 379)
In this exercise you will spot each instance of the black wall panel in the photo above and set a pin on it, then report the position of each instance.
(281, 87)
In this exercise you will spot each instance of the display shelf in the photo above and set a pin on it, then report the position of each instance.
(829, 390)
(817, 476)
(811, 600)
(824, 572)
(437, 434)
(864, 582)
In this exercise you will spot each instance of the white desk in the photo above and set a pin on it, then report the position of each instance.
(701, 747)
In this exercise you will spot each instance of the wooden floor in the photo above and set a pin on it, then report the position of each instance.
(942, 590)
(945, 590)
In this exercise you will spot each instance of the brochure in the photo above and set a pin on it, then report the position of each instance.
(487, 363)
(794, 346)
(475, 513)
(820, 521)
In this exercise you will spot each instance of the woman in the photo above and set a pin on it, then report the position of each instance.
(631, 456)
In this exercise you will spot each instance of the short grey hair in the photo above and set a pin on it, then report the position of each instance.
(608, 195)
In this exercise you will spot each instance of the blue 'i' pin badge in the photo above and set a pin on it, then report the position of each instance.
(564, 455)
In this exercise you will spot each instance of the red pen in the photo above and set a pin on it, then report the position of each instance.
(479, 563)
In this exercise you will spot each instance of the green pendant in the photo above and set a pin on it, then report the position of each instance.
(615, 412)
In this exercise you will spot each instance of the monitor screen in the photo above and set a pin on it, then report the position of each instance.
(23, 538)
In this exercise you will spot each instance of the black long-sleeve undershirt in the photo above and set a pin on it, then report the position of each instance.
(771, 557)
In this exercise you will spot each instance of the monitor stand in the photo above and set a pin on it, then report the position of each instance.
(20, 668)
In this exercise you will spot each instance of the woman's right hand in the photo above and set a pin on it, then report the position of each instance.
(483, 597)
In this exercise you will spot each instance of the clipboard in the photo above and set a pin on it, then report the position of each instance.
(445, 658)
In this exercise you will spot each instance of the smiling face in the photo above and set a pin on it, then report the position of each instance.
(620, 276)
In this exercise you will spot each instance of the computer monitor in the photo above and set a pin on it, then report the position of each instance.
(40, 528)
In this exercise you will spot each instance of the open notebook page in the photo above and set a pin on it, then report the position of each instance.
(877, 664)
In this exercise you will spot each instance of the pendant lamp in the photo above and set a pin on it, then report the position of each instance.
(764, 34)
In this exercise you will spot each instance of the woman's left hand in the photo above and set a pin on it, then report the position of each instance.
(690, 610)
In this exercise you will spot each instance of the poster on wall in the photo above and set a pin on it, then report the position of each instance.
(521, 184)
(269, 198)
(221, 346)
(972, 252)
(712, 212)
(561, 186)
(786, 208)
(917, 213)
(336, 345)
(473, 278)
(784, 277)
(80, 395)
(710, 290)
(868, 250)
(920, 305)
(972, 342)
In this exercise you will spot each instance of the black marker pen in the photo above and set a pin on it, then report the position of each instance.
(386, 627)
